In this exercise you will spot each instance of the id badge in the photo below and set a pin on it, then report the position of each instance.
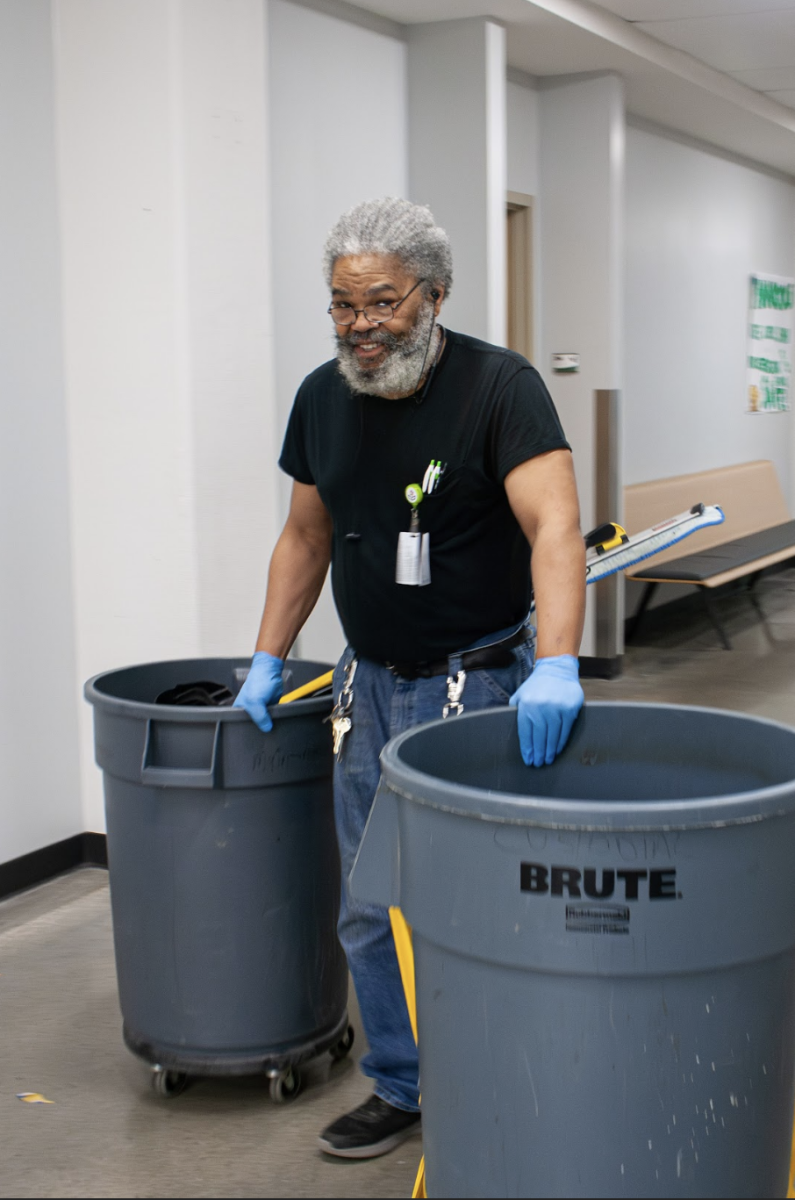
(413, 566)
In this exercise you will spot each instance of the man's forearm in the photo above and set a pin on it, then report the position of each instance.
(559, 586)
(297, 572)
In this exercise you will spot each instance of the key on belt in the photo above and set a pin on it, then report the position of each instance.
(340, 726)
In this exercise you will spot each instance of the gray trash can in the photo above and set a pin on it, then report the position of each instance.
(604, 950)
(224, 876)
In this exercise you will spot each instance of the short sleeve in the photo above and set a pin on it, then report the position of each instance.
(524, 424)
(294, 458)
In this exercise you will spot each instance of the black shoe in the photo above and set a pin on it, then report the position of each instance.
(373, 1128)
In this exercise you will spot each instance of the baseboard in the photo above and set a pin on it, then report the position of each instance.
(95, 849)
(82, 850)
(601, 668)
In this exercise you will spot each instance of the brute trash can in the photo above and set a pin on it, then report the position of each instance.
(224, 876)
(604, 950)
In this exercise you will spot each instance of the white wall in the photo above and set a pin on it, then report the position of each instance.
(224, 192)
(581, 173)
(39, 780)
(457, 160)
(322, 165)
(522, 138)
(523, 170)
(697, 225)
(172, 442)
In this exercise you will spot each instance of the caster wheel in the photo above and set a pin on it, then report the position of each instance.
(285, 1085)
(342, 1048)
(168, 1084)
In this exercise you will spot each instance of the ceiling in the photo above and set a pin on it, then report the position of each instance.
(751, 40)
(721, 71)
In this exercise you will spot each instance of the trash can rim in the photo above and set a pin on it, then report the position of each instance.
(551, 812)
(187, 714)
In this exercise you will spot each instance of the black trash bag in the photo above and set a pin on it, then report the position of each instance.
(200, 694)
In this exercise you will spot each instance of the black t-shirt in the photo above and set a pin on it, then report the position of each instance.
(487, 410)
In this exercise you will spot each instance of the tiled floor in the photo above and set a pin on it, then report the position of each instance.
(107, 1134)
(682, 662)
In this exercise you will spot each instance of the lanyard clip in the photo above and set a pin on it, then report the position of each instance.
(455, 690)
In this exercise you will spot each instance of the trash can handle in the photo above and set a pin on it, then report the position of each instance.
(187, 777)
(375, 875)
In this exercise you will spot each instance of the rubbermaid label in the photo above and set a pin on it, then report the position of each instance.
(277, 761)
(597, 918)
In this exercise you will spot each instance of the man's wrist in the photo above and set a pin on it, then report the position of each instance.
(558, 664)
(267, 654)
(273, 647)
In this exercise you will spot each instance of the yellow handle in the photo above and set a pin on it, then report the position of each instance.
(618, 540)
(401, 932)
(307, 689)
(419, 1192)
(404, 947)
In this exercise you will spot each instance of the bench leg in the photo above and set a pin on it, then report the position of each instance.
(650, 589)
(752, 582)
(760, 612)
(713, 616)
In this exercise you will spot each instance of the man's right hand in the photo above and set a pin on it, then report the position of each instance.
(548, 702)
(263, 686)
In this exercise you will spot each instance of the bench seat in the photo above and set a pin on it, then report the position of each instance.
(758, 532)
(718, 565)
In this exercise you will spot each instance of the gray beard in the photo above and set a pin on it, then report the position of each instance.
(399, 374)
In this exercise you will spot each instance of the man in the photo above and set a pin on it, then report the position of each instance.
(426, 464)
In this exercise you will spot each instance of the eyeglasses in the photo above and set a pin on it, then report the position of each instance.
(376, 314)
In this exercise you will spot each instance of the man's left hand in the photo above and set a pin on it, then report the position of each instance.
(548, 703)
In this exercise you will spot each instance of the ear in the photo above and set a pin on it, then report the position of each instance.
(437, 295)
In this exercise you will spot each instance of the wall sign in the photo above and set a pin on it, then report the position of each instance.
(770, 306)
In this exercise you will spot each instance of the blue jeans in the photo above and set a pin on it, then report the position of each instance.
(383, 706)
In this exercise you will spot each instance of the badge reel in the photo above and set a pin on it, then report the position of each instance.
(413, 567)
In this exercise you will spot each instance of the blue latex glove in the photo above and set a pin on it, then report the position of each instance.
(263, 686)
(548, 703)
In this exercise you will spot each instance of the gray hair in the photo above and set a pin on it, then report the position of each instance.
(395, 227)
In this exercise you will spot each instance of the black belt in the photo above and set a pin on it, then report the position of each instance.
(496, 655)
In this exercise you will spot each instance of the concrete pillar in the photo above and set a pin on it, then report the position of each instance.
(457, 160)
(581, 213)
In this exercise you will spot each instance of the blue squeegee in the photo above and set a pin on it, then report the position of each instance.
(610, 548)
